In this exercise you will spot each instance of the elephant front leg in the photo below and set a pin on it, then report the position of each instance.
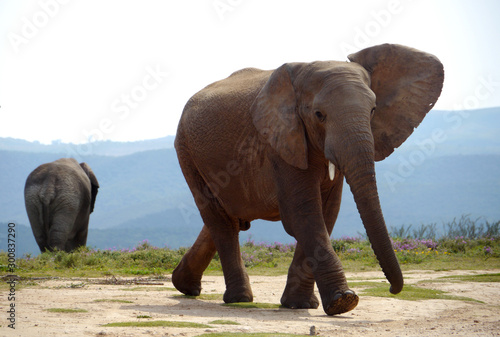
(324, 265)
(186, 277)
(302, 215)
(336, 296)
(299, 290)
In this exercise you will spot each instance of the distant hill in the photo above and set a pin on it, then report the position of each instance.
(447, 168)
(470, 132)
(99, 148)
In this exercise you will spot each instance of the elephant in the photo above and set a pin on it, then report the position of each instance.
(277, 145)
(59, 198)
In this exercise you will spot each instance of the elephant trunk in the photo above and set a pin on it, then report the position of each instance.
(360, 175)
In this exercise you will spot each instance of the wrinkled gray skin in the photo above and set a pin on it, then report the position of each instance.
(257, 145)
(59, 197)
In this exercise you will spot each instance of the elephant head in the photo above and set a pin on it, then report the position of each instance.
(94, 184)
(350, 115)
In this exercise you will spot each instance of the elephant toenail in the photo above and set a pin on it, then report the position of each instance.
(337, 296)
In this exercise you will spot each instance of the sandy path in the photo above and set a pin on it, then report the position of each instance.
(373, 316)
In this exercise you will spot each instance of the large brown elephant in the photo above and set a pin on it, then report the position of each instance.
(59, 197)
(276, 145)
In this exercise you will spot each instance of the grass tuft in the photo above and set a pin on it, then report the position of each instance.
(224, 322)
(112, 300)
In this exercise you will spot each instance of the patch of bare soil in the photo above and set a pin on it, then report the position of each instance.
(158, 299)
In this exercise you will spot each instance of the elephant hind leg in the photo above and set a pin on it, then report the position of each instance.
(41, 240)
(224, 231)
(59, 232)
(43, 245)
(237, 282)
(186, 277)
(37, 222)
(80, 240)
(82, 228)
(220, 233)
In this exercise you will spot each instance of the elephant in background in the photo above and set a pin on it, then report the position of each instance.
(59, 197)
(276, 145)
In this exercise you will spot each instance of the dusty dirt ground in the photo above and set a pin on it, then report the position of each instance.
(156, 298)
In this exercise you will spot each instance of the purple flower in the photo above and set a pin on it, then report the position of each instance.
(412, 244)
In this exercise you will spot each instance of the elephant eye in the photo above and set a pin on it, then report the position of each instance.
(320, 116)
(373, 111)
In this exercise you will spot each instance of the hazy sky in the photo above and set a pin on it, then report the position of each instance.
(123, 70)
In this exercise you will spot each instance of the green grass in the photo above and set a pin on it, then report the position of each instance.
(150, 289)
(223, 322)
(477, 247)
(253, 305)
(171, 324)
(64, 310)
(409, 293)
(473, 278)
(87, 262)
(112, 300)
(207, 297)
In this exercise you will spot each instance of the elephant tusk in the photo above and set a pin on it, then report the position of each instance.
(331, 170)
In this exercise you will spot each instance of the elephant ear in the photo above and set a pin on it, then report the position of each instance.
(407, 83)
(275, 116)
(94, 184)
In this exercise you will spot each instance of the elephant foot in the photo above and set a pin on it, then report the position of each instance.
(186, 282)
(342, 302)
(242, 294)
(299, 302)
